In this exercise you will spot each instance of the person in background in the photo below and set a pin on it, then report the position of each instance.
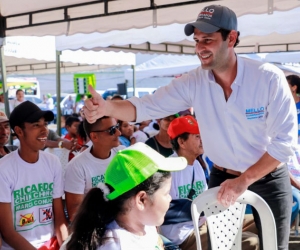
(49, 102)
(55, 141)
(126, 138)
(31, 185)
(161, 142)
(294, 163)
(139, 135)
(294, 84)
(69, 106)
(63, 130)
(152, 129)
(80, 103)
(2, 105)
(20, 97)
(72, 124)
(143, 124)
(87, 169)
(82, 134)
(123, 212)
(244, 108)
(4, 136)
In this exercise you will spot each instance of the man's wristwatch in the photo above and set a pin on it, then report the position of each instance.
(60, 144)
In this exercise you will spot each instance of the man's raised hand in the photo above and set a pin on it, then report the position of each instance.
(94, 108)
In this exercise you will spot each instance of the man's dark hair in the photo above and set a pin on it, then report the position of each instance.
(70, 120)
(90, 127)
(225, 34)
(19, 90)
(174, 142)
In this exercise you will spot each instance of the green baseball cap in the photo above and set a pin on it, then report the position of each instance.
(135, 164)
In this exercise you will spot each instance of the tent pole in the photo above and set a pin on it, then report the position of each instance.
(4, 83)
(58, 90)
(133, 79)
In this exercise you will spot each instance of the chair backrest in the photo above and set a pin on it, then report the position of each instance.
(62, 154)
(225, 224)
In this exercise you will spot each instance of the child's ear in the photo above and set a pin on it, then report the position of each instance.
(141, 200)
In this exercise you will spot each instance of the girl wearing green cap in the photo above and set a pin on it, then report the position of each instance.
(123, 212)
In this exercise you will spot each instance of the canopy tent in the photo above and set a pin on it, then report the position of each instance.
(170, 65)
(24, 52)
(258, 33)
(36, 55)
(57, 17)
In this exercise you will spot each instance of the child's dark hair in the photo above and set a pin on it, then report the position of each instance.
(70, 120)
(294, 80)
(94, 214)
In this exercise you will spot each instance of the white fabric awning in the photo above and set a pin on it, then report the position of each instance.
(258, 33)
(36, 55)
(58, 17)
(170, 65)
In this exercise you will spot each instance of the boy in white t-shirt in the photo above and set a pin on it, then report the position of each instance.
(87, 169)
(31, 185)
(189, 183)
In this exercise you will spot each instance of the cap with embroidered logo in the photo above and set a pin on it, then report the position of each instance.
(211, 19)
(183, 124)
(135, 164)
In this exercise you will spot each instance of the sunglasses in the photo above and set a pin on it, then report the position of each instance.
(112, 130)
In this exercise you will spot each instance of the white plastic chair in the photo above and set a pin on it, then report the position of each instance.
(225, 224)
(62, 154)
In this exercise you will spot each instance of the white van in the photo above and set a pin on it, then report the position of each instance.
(139, 92)
(30, 86)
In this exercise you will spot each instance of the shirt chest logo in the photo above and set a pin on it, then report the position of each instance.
(255, 113)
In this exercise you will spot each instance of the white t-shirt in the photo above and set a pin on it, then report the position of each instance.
(2, 107)
(121, 239)
(180, 187)
(14, 103)
(259, 116)
(31, 188)
(85, 171)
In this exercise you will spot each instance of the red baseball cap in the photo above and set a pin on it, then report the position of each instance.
(184, 124)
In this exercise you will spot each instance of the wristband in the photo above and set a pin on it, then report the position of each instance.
(60, 144)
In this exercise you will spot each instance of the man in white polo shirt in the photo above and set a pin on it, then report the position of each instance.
(245, 111)
(189, 183)
(86, 170)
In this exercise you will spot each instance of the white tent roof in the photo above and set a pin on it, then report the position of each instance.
(259, 33)
(36, 55)
(57, 17)
(170, 65)
(164, 65)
